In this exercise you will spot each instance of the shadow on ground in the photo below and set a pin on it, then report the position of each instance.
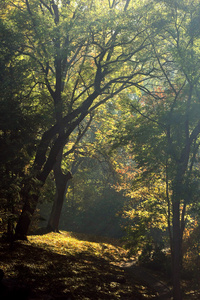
(80, 274)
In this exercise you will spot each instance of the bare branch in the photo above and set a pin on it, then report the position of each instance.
(48, 7)
(79, 137)
(147, 117)
(126, 5)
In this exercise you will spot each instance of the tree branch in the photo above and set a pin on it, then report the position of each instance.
(79, 137)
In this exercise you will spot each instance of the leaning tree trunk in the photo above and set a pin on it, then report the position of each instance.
(61, 183)
(30, 196)
(32, 186)
(44, 163)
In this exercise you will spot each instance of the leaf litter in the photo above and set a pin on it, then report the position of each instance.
(61, 264)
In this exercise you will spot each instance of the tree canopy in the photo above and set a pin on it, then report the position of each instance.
(118, 81)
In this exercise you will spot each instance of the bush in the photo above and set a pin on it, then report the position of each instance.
(154, 257)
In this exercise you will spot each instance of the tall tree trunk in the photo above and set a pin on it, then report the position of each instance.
(177, 234)
(176, 254)
(61, 183)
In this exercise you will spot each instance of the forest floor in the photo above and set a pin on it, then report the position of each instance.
(76, 266)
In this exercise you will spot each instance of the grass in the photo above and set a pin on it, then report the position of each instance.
(59, 264)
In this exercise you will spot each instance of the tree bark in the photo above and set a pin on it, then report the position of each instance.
(176, 253)
(54, 219)
(177, 233)
(44, 164)
(30, 196)
(61, 183)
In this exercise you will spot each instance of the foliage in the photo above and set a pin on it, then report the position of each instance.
(153, 256)
(163, 133)
(78, 57)
(191, 250)
(91, 204)
(133, 67)
(17, 140)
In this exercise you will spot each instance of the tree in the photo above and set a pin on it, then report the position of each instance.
(62, 180)
(81, 56)
(17, 141)
(183, 127)
(88, 142)
(165, 129)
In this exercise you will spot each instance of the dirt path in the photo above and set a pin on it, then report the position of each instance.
(144, 275)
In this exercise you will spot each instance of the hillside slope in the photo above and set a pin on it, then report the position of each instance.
(69, 266)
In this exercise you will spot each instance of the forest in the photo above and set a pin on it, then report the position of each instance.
(99, 149)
